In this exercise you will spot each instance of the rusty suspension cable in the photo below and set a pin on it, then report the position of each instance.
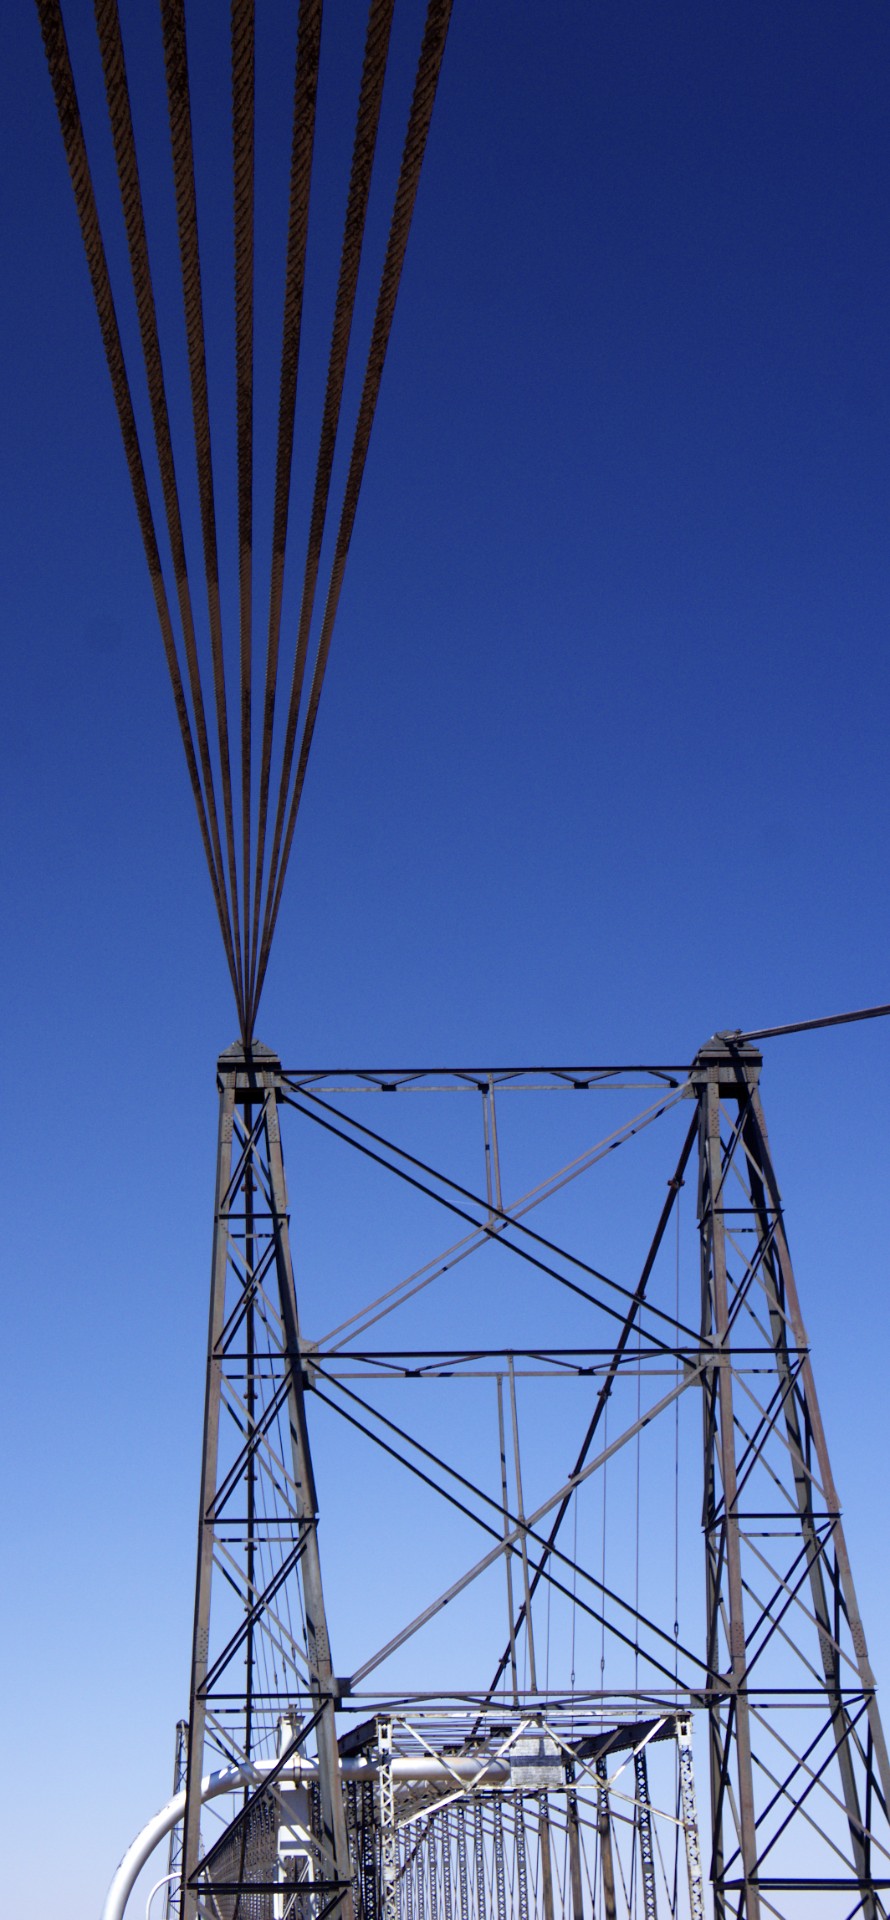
(248, 960)
(364, 145)
(179, 111)
(243, 140)
(428, 70)
(120, 116)
(303, 140)
(68, 110)
(811, 1026)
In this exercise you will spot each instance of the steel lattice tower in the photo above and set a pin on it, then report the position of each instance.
(515, 1796)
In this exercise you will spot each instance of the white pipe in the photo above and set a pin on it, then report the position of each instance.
(145, 1842)
(425, 1767)
(163, 1882)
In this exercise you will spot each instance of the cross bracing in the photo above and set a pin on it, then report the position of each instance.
(623, 1536)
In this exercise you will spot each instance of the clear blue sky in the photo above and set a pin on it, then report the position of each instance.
(601, 763)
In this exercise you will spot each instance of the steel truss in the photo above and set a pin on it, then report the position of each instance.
(363, 1798)
(173, 1894)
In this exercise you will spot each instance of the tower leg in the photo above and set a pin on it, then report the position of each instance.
(729, 1714)
(261, 1656)
(798, 1758)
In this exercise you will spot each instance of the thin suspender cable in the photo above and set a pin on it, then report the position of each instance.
(603, 1550)
(119, 112)
(637, 1490)
(574, 1604)
(429, 67)
(62, 78)
(672, 1893)
(305, 93)
(367, 123)
(243, 87)
(601, 1408)
(179, 109)
(677, 1460)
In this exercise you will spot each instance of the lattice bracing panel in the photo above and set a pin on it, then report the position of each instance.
(262, 1685)
(798, 1759)
(545, 1531)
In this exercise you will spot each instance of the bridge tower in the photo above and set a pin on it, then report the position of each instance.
(526, 1788)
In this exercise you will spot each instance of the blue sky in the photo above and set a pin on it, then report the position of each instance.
(600, 767)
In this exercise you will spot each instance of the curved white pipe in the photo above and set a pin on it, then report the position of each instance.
(163, 1882)
(425, 1767)
(163, 1822)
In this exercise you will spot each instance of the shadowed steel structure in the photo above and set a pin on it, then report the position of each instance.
(519, 1785)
